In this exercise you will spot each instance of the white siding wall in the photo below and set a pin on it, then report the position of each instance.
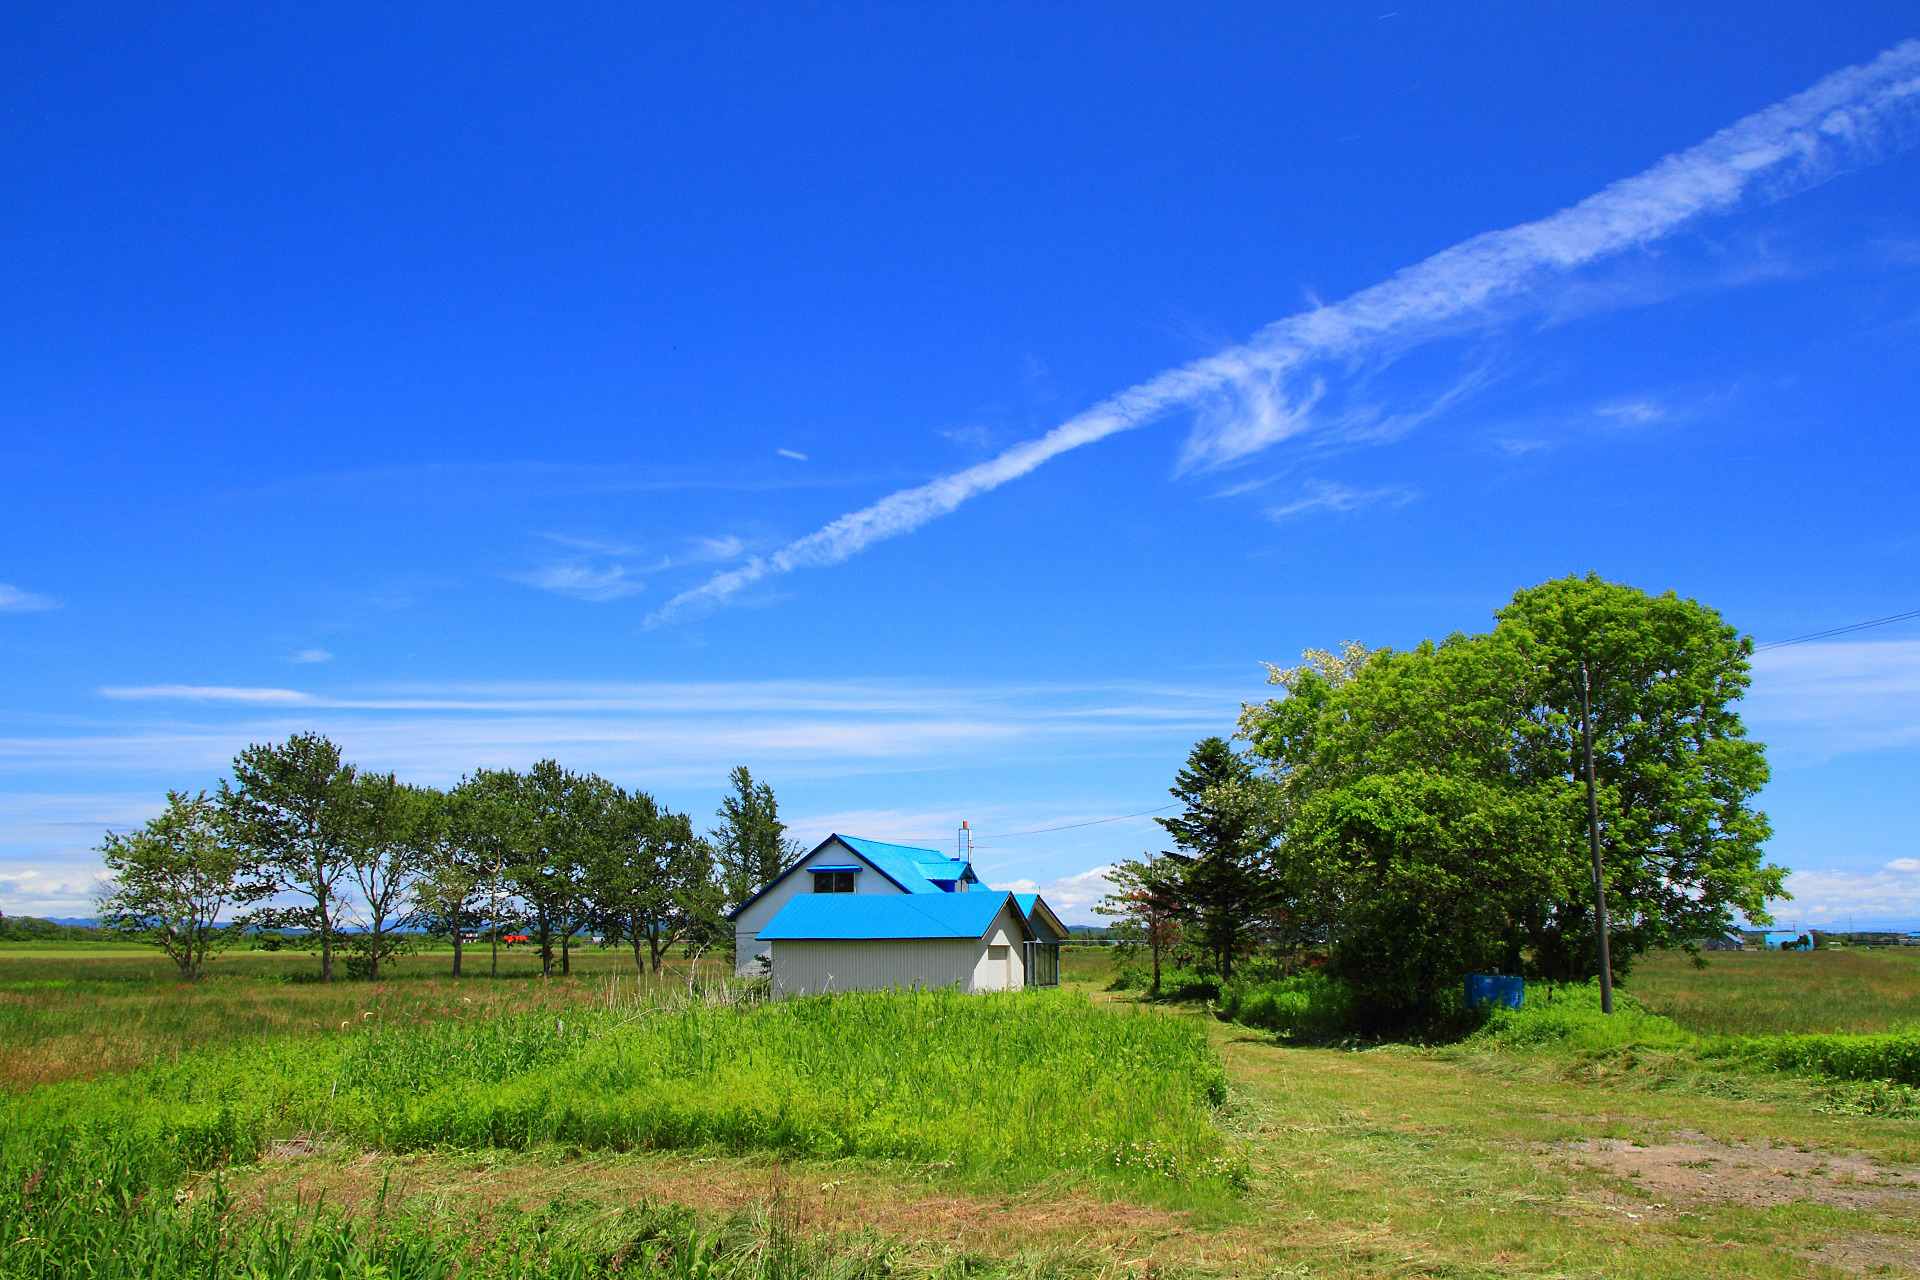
(746, 929)
(805, 968)
(1001, 964)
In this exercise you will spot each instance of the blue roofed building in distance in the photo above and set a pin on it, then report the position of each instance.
(856, 913)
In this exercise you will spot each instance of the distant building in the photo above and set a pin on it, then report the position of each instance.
(1732, 942)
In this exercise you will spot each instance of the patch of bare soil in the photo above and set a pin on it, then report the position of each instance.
(1869, 1255)
(1695, 1169)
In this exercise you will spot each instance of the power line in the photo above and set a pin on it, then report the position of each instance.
(1837, 631)
(1008, 835)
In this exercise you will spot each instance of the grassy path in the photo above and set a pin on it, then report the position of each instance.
(1398, 1164)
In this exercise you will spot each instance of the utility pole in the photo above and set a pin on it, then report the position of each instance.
(1593, 843)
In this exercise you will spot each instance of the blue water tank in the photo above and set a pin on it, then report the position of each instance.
(1494, 988)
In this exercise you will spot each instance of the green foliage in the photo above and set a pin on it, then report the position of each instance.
(1569, 1016)
(1307, 1006)
(172, 881)
(750, 841)
(90, 1203)
(1417, 877)
(1452, 775)
(34, 929)
(1893, 1058)
(1008, 1085)
(291, 811)
(1219, 882)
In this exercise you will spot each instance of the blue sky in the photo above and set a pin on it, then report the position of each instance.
(941, 410)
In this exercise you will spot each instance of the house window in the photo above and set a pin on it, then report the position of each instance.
(833, 882)
(1043, 964)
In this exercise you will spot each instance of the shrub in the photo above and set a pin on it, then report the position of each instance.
(1308, 1006)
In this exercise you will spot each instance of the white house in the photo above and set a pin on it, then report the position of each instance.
(861, 913)
(973, 941)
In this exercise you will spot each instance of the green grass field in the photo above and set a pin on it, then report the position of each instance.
(1747, 993)
(262, 1125)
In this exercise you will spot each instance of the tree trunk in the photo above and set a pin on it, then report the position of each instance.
(456, 948)
(639, 963)
(566, 952)
(326, 937)
(546, 948)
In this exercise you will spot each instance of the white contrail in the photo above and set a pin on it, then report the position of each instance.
(1851, 119)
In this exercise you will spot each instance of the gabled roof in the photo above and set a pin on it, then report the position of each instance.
(1031, 902)
(908, 869)
(913, 869)
(865, 917)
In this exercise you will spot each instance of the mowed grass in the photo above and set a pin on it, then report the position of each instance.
(1760, 993)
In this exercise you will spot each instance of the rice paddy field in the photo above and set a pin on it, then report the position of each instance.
(260, 1125)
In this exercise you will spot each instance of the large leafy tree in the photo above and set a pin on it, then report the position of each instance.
(489, 834)
(1218, 879)
(1418, 877)
(291, 809)
(171, 882)
(1681, 844)
(1498, 715)
(750, 841)
(397, 831)
(652, 884)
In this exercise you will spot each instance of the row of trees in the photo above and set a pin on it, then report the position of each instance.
(361, 863)
(1414, 816)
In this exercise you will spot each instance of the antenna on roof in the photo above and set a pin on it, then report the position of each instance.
(965, 842)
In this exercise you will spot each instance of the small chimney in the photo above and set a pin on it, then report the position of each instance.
(965, 842)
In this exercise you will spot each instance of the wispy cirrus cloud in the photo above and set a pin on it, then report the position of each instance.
(1812, 702)
(14, 600)
(606, 572)
(584, 582)
(1265, 391)
(205, 693)
(1322, 496)
(671, 730)
(312, 655)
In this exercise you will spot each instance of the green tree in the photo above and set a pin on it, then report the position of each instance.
(1219, 882)
(652, 885)
(750, 841)
(1675, 772)
(561, 822)
(291, 810)
(1420, 878)
(171, 882)
(396, 831)
(1144, 908)
(489, 833)
(1496, 715)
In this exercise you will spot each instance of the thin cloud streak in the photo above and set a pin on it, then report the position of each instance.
(1255, 395)
(14, 600)
(1321, 496)
(203, 693)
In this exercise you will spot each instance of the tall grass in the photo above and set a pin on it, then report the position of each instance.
(1018, 1088)
(91, 1011)
(1744, 993)
(1021, 1084)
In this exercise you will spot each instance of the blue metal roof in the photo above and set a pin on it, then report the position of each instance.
(852, 917)
(910, 869)
(914, 870)
(1031, 902)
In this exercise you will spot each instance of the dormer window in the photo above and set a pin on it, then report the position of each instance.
(833, 880)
